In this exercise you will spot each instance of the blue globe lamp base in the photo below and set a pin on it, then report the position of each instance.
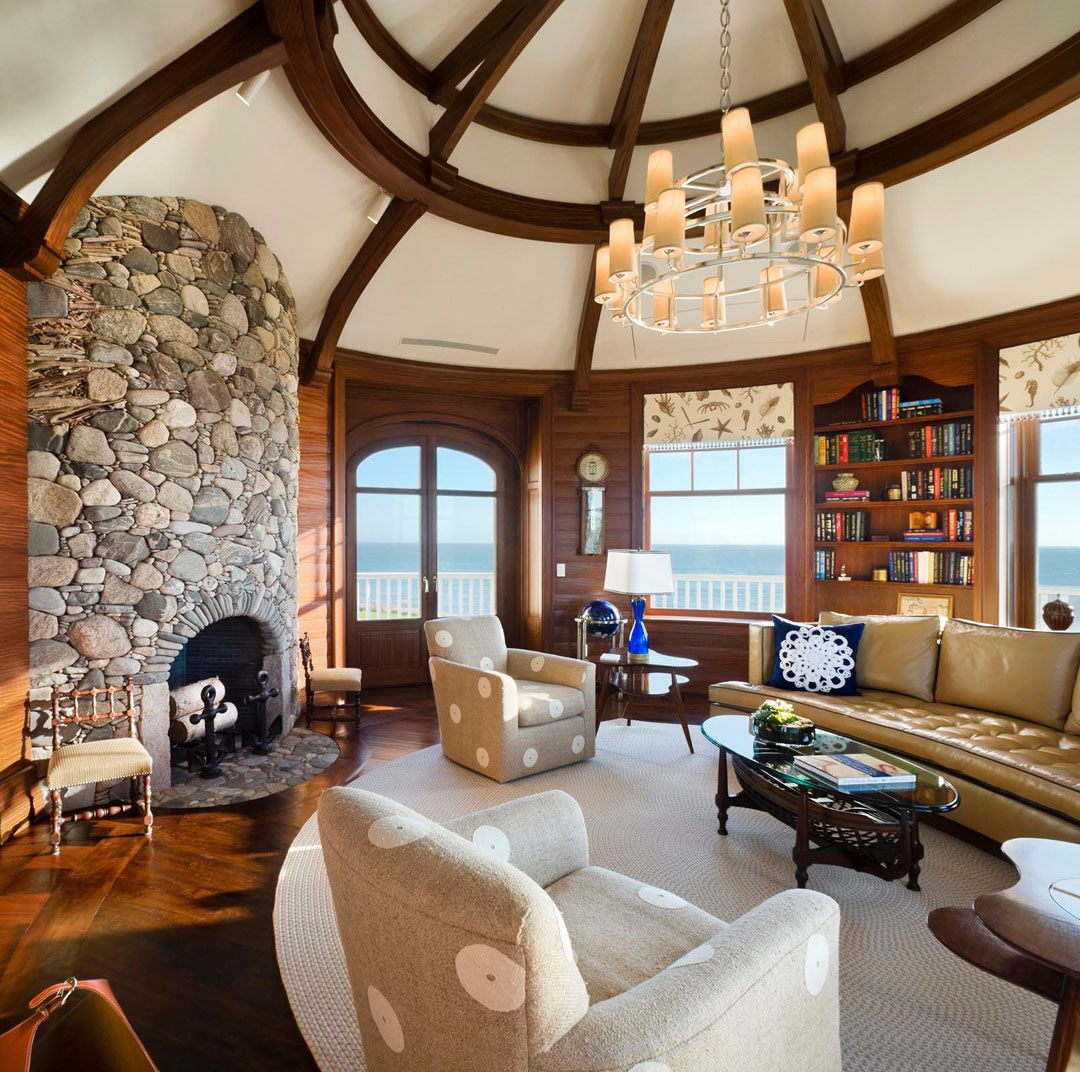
(638, 645)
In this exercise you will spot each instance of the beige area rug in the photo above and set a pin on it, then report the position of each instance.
(906, 1003)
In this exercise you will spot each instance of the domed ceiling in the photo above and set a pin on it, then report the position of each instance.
(972, 229)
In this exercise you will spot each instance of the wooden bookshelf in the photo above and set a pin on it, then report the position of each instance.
(889, 517)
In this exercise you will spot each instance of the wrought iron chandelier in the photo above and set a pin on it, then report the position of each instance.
(748, 226)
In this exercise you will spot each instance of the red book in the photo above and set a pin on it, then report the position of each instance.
(843, 448)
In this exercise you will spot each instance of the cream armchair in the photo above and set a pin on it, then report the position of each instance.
(507, 712)
(491, 943)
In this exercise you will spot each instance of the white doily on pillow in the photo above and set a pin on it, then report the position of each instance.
(816, 659)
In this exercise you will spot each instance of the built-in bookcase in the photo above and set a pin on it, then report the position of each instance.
(868, 534)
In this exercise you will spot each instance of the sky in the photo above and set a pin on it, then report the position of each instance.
(1058, 505)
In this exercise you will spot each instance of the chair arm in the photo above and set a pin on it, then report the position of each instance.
(545, 834)
(766, 998)
(762, 652)
(550, 669)
(484, 701)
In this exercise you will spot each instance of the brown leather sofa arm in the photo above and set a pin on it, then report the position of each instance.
(762, 652)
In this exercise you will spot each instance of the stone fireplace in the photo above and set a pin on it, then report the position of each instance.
(163, 455)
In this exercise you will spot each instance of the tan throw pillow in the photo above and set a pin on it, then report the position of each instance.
(1018, 672)
(896, 653)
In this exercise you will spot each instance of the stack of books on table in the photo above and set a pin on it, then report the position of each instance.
(924, 535)
(857, 771)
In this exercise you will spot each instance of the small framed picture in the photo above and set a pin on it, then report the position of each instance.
(917, 605)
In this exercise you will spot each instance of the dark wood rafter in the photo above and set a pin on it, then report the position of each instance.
(240, 49)
(586, 342)
(504, 48)
(875, 299)
(325, 91)
(472, 49)
(823, 62)
(626, 116)
(625, 123)
(318, 361)
(903, 46)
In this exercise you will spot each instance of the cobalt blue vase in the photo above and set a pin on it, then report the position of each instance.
(638, 644)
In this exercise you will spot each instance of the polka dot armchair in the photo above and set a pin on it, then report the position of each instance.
(507, 712)
(491, 943)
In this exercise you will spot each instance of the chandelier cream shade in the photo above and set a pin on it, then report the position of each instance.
(742, 243)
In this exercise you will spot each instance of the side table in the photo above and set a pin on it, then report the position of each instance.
(656, 676)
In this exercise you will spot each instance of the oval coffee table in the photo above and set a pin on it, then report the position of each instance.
(866, 830)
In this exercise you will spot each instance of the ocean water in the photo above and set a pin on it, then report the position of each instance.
(1057, 565)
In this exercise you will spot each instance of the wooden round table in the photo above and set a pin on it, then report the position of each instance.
(1029, 933)
(656, 675)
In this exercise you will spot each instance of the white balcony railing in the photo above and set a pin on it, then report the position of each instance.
(397, 594)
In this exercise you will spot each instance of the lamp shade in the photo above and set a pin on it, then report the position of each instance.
(604, 291)
(773, 294)
(818, 220)
(738, 135)
(747, 205)
(659, 176)
(812, 147)
(621, 259)
(639, 573)
(663, 303)
(867, 219)
(670, 235)
(870, 267)
(713, 311)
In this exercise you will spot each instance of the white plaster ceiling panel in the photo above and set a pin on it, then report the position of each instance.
(573, 68)
(269, 163)
(994, 46)
(426, 29)
(50, 84)
(444, 281)
(409, 114)
(559, 172)
(764, 57)
(980, 236)
(861, 25)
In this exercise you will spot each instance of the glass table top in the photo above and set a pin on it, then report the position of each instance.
(654, 660)
(932, 793)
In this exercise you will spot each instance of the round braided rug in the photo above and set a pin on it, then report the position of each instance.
(906, 1003)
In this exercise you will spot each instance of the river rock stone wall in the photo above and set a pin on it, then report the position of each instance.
(163, 444)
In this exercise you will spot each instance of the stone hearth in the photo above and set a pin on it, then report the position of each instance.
(163, 451)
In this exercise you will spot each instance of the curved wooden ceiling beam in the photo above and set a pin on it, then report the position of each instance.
(896, 50)
(325, 91)
(240, 49)
(393, 225)
(502, 51)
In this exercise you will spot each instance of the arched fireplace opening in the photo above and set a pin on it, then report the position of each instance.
(231, 649)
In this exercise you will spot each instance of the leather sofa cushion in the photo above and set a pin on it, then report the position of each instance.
(1020, 672)
(896, 653)
(1030, 761)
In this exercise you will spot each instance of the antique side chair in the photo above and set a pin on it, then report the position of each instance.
(343, 679)
(78, 762)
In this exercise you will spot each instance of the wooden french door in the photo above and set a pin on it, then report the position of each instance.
(432, 516)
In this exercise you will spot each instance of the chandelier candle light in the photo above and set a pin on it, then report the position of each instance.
(751, 225)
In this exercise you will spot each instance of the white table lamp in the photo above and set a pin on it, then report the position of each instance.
(637, 574)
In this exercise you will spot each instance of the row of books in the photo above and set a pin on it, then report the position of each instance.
(839, 448)
(885, 405)
(843, 525)
(940, 440)
(824, 565)
(930, 567)
(958, 527)
(940, 482)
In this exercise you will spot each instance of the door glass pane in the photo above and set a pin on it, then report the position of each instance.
(466, 554)
(395, 467)
(715, 470)
(762, 467)
(1059, 446)
(669, 470)
(727, 551)
(387, 556)
(1057, 508)
(457, 471)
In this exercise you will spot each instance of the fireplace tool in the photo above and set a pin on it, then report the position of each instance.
(261, 746)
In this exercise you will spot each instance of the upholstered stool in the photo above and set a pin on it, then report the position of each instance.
(343, 679)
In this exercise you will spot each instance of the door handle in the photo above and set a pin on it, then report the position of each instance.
(435, 579)
(425, 580)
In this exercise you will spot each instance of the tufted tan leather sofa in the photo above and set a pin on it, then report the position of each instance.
(994, 709)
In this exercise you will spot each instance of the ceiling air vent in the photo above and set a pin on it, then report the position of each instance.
(446, 344)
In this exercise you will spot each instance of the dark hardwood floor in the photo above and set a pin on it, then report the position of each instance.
(181, 925)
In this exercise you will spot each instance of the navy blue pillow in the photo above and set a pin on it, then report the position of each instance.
(816, 658)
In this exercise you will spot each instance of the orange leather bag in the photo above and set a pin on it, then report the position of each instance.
(74, 1025)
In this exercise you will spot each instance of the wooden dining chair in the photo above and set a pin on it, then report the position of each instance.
(77, 761)
(343, 679)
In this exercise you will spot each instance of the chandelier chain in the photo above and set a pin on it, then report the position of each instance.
(725, 56)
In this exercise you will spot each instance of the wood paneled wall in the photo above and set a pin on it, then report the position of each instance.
(314, 519)
(15, 772)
